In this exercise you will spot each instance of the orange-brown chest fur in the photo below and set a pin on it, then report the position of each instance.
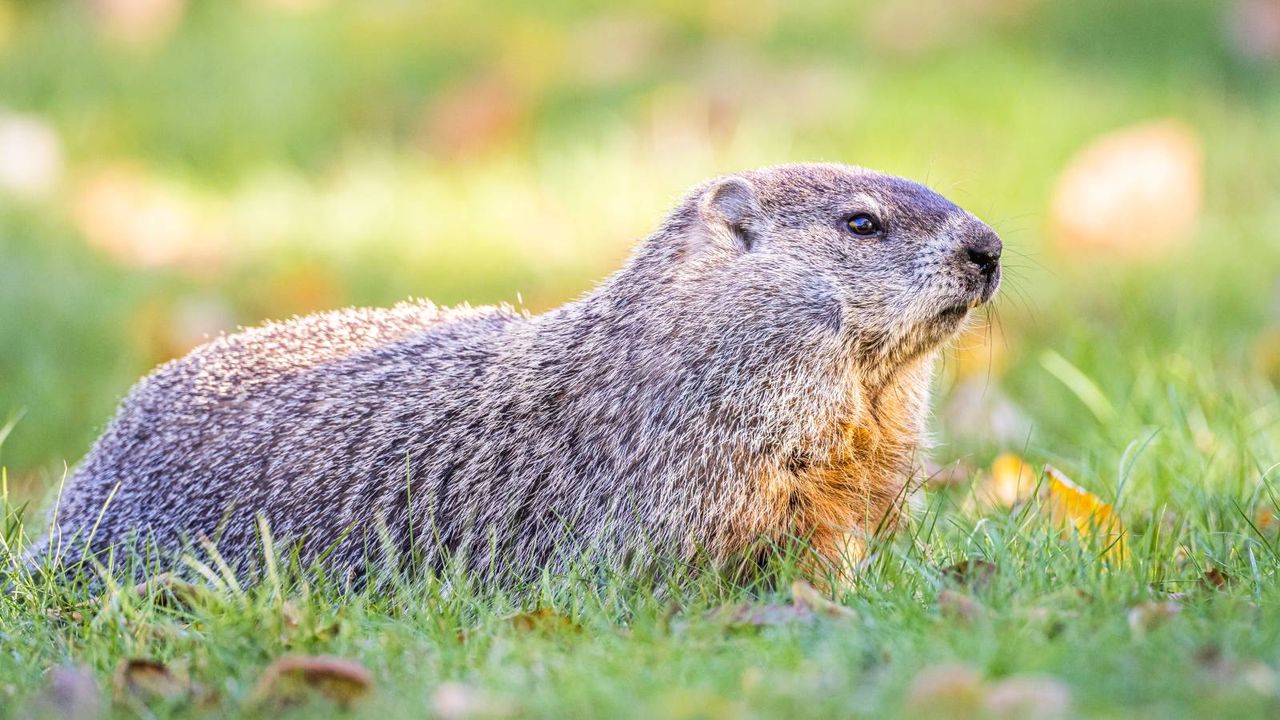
(851, 480)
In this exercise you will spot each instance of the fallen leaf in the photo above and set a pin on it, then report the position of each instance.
(1215, 578)
(974, 574)
(70, 693)
(288, 679)
(805, 595)
(950, 690)
(1011, 482)
(1145, 616)
(147, 679)
(1074, 509)
(958, 606)
(1028, 696)
(1135, 192)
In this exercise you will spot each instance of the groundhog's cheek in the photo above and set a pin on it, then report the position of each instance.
(823, 306)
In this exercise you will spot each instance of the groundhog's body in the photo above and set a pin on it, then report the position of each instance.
(704, 397)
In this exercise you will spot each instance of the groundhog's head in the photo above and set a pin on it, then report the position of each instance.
(904, 264)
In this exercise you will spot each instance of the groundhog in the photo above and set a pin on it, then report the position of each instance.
(757, 371)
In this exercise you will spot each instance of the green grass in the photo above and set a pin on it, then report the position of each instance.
(635, 649)
(306, 138)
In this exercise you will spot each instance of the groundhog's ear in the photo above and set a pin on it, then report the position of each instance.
(731, 209)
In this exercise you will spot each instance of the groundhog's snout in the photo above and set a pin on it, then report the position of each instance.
(980, 253)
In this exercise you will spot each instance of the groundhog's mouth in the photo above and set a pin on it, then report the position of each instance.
(960, 309)
(980, 296)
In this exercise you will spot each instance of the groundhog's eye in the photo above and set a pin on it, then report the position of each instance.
(863, 224)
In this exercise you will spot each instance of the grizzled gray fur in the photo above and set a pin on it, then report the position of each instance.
(757, 369)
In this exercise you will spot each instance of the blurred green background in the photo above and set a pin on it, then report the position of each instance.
(170, 169)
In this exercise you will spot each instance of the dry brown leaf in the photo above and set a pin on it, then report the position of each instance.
(1145, 616)
(290, 678)
(974, 574)
(146, 679)
(805, 595)
(1028, 696)
(1074, 509)
(1135, 192)
(950, 690)
(70, 693)
(1215, 578)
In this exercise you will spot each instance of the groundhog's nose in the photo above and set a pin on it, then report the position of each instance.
(983, 250)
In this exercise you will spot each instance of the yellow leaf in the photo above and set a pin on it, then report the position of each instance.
(1073, 508)
(1012, 481)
